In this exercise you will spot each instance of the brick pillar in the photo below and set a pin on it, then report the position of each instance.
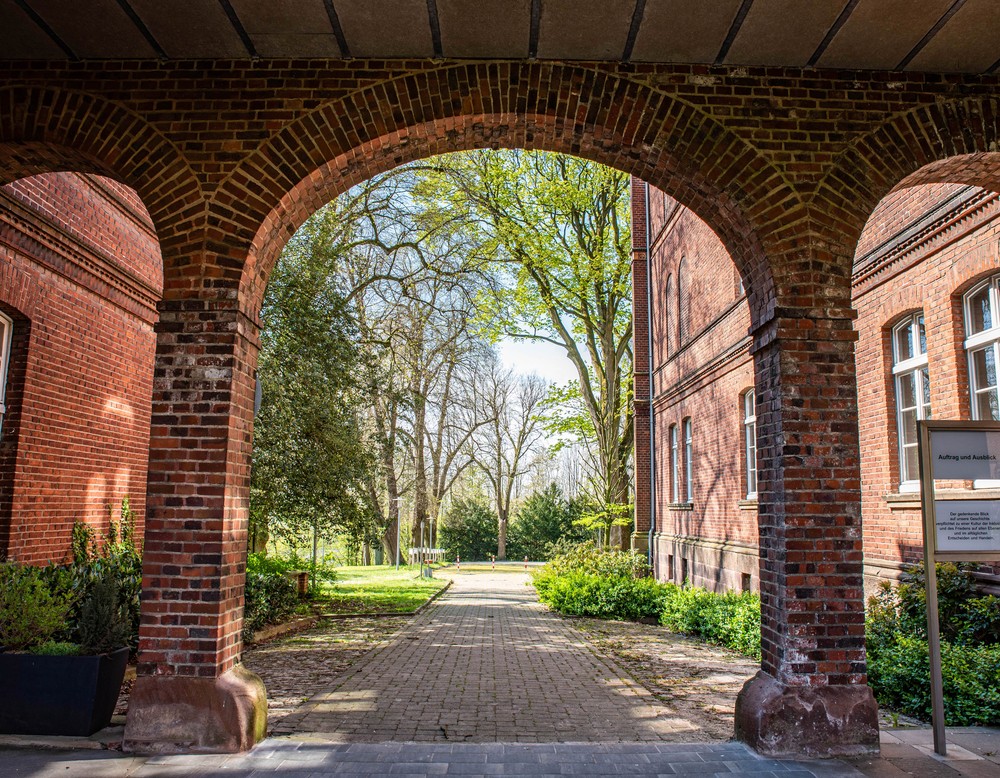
(190, 692)
(642, 448)
(811, 695)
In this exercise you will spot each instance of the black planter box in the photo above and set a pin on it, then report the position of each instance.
(59, 695)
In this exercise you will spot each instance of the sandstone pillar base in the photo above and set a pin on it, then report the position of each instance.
(815, 721)
(168, 714)
(640, 542)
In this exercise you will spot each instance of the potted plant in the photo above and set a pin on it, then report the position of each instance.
(52, 687)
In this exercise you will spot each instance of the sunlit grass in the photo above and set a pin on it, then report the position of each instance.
(378, 589)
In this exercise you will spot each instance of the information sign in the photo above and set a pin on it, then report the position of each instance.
(967, 525)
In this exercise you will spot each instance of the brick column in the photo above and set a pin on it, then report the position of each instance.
(811, 695)
(190, 692)
(642, 445)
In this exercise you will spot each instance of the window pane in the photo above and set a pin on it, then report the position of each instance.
(986, 405)
(984, 368)
(904, 342)
(921, 334)
(908, 427)
(910, 467)
(980, 316)
(925, 383)
(906, 392)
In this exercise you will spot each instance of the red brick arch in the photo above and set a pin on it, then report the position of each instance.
(47, 130)
(942, 142)
(569, 109)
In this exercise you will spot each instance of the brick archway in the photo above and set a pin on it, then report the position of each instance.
(569, 109)
(45, 130)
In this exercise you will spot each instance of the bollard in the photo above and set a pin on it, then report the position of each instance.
(493, 561)
(458, 562)
(526, 563)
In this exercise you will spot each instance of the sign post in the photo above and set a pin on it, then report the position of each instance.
(956, 529)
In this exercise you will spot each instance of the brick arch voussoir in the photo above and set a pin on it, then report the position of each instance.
(572, 109)
(47, 130)
(953, 141)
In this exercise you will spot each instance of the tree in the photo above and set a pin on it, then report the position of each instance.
(507, 437)
(556, 230)
(310, 463)
(545, 517)
(469, 530)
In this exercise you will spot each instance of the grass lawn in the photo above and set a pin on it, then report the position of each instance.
(378, 589)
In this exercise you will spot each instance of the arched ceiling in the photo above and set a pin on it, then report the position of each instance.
(914, 35)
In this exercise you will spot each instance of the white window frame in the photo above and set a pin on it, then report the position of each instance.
(750, 442)
(901, 368)
(688, 457)
(987, 340)
(675, 484)
(6, 334)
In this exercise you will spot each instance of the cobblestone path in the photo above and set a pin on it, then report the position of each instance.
(486, 663)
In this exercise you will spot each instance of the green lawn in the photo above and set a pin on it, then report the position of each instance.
(378, 589)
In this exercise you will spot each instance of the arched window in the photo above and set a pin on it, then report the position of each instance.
(913, 393)
(667, 302)
(682, 311)
(982, 343)
(6, 333)
(750, 442)
(675, 466)
(688, 462)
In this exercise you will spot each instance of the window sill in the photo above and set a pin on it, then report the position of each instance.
(680, 506)
(749, 504)
(910, 501)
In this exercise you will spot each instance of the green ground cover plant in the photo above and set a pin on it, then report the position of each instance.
(898, 655)
(582, 579)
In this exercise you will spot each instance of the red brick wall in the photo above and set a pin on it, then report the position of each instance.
(702, 376)
(922, 248)
(80, 272)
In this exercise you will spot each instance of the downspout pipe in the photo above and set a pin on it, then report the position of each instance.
(649, 364)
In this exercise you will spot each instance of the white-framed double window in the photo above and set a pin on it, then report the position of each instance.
(688, 462)
(913, 393)
(982, 343)
(750, 442)
(675, 465)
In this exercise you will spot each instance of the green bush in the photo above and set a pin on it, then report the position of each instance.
(898, 663)
(587, 557)
(545, 518)
(56, 648)
(468, 530)
(30, 612)
(731, 619)
(103, 622)
(603, 597)
(270, 597)
(899, 673)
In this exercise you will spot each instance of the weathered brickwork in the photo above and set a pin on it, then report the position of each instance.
(230, 157)
(81, 274)
(923, 247)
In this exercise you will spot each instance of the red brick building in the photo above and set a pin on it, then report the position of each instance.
(80, 276)
(925, 287)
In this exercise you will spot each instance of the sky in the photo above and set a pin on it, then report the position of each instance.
(547, 360)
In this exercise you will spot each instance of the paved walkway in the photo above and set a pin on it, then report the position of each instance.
(482, 668)
(487, 663)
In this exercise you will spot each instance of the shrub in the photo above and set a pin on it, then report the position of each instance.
(270, 597)
(899, 674)
(469, 530)
(545, 518)
(103, 624)
(30, 612)
(586, 557)
(56, 648)
(731, 619)
(604, 597)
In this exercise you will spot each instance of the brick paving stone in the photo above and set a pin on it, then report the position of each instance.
(485, 663)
